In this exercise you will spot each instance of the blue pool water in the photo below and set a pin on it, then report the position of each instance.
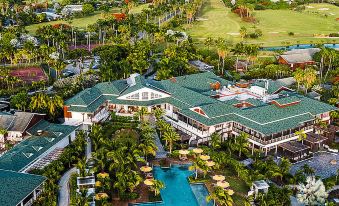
(177, 191)
(300, 46)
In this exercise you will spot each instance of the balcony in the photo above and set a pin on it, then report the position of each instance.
(184, 126)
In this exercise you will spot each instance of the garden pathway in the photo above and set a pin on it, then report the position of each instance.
(160, 153)
(64, 193)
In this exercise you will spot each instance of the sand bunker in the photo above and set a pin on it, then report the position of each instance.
(234, 34)
(323, 9)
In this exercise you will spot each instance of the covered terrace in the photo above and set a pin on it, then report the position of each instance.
(296, 151)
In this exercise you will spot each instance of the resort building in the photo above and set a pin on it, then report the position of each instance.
(201, 104)
(16, 125)
(19, 189)
(40, 141)
(298, 58)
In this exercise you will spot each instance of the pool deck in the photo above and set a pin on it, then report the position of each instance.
(321, 164)
(142, 190)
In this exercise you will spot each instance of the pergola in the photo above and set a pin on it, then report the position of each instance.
(295, 150)
(259, 186)
(315, 141)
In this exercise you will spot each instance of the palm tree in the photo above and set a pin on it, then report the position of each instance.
(171, 136)
(215, 140)
(142, 112)
(308, 170)
(243, 32)
(241, 143)
(157, 186)
(198, 164)
(221, 196)
(39, 102)
(299, 76)
(301, 135)
(54, 103)
(148, 147)
(158, 113)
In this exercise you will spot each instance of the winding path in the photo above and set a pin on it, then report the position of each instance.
(64, 193)
(63, 199)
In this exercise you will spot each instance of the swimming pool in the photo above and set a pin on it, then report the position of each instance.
(298, 46)
(178, 191)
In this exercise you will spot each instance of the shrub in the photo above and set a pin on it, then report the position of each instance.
(87, 9)
(290, 33)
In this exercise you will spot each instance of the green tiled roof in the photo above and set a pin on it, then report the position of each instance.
(287, 100)
(27, 151)
(273, 86)
(187, 92)
(16, 186)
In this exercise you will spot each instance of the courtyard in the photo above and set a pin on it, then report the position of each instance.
(324, 164)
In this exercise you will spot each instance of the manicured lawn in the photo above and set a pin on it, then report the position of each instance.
(218, 21)
(83, 22)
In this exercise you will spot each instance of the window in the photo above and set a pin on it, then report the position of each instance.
(133, 96)
(155, 95)
(144, 95)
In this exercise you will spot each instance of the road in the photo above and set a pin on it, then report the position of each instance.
(64, 192)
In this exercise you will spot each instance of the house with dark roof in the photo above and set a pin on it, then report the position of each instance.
(41, 139)
(16, 125)
(298, 58)
(19, 189)
(201, 104)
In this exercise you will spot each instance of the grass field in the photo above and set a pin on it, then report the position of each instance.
(83, 22)
(218, 21)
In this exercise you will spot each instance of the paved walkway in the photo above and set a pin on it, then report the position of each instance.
(160, 153)
(64, 188)
(64, 198)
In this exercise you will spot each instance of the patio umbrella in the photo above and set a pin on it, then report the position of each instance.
(223, 184)
(204, 157)
(98, 184)
(218, 177)
(148, 182)
(146, 169)
(230, 192)
(183, 152)
(103, 175)
(198, 150)
(210, 163)
(101, 196)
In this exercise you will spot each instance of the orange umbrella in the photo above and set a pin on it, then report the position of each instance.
(146, 168)
(223, 184)
(198, 150)
(148, 182)
(204, 157)
(218, 177)
(210, 163)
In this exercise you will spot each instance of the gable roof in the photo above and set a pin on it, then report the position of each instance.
(16, 122)
(27, 151)
(194, 91)
(17, 186)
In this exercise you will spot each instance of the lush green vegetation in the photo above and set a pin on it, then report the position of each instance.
(218, 21)
(71, 155)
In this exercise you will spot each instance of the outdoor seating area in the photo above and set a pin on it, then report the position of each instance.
(296, 151)
(314, 141)
(325, 164)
